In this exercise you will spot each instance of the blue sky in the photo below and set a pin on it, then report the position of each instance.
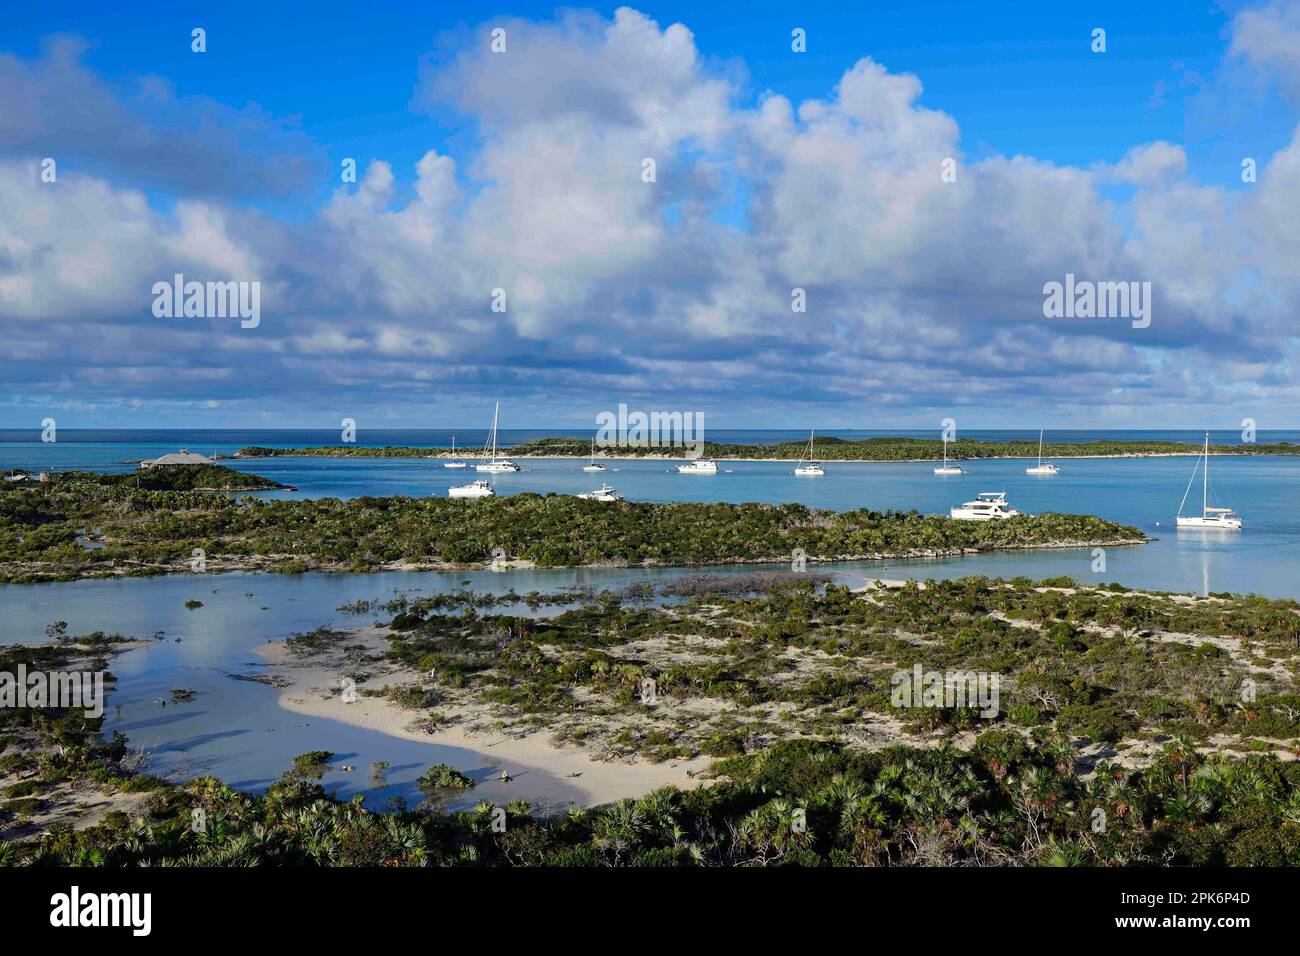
(1021, 78)
(225, 164)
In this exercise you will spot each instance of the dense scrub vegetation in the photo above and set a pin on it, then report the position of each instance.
(43, 748)
(1115, 670)
(827, 449)
(1017, 790)
(44, 530)
(166, 478)
(1007, 802)
(88, 652)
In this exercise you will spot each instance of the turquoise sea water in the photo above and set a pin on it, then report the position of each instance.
(235, 729)
(1145, 492)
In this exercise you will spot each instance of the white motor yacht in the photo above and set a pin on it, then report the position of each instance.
(475, 489)
(987, 506)
(701, 467)
(603, 493)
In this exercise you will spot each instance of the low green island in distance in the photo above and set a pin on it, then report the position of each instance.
(825, 449)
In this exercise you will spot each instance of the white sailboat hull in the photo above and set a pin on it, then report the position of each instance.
(1042, 468)
(593, 467)
(808, 466)
(1210, 522)
(947, 469)
(455, 462)
(493, 464)
(1211, 518)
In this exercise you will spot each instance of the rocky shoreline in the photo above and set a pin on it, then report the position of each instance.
(21, 572)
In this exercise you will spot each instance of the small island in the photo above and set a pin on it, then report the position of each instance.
(169, 478)
(83, 525)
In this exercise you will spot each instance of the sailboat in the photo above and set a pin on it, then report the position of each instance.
(948, 469)
(814, 468)
(1042, 468)
(493, 463)
(454, 463)
(593, 465)
(1223, 518)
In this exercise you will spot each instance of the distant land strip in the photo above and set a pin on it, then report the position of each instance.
(824, 449)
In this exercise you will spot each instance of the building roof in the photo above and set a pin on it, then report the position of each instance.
(182, 457)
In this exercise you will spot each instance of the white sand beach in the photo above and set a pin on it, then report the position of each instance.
(313, 690)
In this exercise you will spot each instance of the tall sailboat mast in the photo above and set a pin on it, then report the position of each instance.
(494, 464)
(1217, 517)
(808, 466)
(495, 413)
(1205, 478)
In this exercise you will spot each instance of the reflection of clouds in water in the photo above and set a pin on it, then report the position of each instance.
(237, 731)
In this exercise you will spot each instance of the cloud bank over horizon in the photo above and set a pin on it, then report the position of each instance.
(923, 291)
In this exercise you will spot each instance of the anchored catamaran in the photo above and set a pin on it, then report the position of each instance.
(1210, 517)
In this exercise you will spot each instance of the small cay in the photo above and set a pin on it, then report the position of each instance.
(146, 531)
